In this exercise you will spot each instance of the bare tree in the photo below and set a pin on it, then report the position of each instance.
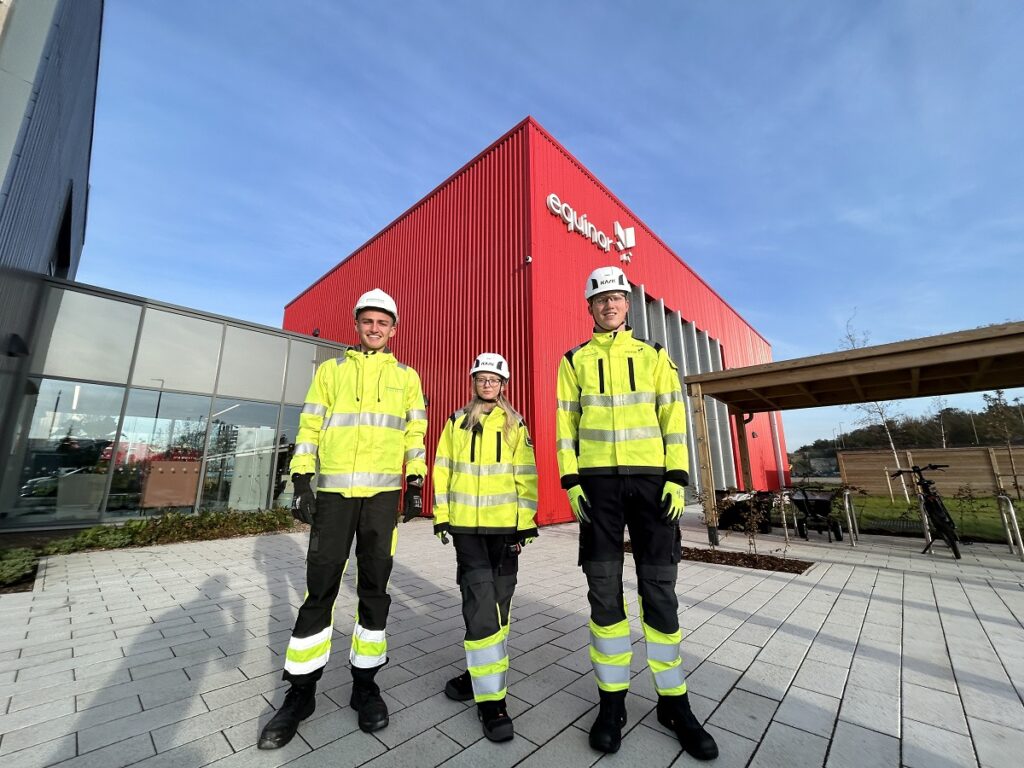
(940, 405)
(1003, 421)
(873, 411)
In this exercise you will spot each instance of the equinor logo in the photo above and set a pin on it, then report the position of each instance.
(574, 222)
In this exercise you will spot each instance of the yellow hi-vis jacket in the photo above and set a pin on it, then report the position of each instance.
(620, 411)
(363, 419)
(484, 483)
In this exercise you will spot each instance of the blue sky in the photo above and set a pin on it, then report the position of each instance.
(810, 160)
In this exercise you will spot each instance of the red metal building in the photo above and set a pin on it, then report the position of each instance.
(495, 258)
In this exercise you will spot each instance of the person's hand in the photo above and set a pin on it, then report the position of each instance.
(580, 504)
(303, 499)
(413, 503)
(673, 501)
(441, 530)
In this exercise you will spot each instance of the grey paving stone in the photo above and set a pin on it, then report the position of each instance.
(786, 747)
(997, 745)
(995, 701)
(875, 675)
(141, 723)
(423, 687)
(47, 753)
(203, 724)
(712, 680)
(925, 746)
(569, 748)
(856, 747)
(769, 680)
(645, 746)
(428, 748)
(821, 677)
(735, 654)
(483, 753)
(295, 750)
(79, 721)
(544, 683)
(809, 711)
(871, 709)
(538, 658)
(745, 714)
(123, 753)
(417, 718)
(464, 727)
(541, 722)
(33, 716)
(926, 705)
(191, 755)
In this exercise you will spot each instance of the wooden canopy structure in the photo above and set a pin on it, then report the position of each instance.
(966, 361)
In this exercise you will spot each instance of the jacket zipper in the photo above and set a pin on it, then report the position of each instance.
(600, 376)
(497, 450)
(472, 447)
(632, 377)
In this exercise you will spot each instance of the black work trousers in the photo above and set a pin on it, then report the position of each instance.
(372, 523)
(618, 502)
(487, 569)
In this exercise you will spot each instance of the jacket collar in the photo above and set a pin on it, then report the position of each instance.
(607, 338)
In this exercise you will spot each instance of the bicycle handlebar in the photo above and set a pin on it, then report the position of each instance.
(916, 470)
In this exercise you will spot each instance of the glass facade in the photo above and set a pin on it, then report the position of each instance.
(128, 408)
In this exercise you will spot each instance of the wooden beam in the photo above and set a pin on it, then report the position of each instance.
(983, 366)
(915, 381)
(806, 390)
(857, 388)
(741, 438)
(758, 396)
(707, 478)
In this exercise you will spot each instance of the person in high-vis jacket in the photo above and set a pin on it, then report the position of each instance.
(622, 457)
(485, 497)
(363, 423)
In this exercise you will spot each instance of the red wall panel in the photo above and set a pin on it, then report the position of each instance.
(481, 264)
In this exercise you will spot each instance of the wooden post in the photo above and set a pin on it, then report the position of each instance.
(741, 435)
(995, 469)
(707, 478)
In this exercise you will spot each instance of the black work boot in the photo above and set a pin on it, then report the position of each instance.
(373, 712)
(675, 714)
(299, 703)
(494, 716)
(606, 732)
(459, 688)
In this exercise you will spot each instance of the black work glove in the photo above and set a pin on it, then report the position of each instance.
(413, 502)
(303, 499)
(441, 530)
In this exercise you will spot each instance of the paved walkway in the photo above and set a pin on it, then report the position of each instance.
(171, 656)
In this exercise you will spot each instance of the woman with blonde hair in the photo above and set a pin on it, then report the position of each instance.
(485, 496)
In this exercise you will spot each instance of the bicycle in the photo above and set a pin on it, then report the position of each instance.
(934, 506)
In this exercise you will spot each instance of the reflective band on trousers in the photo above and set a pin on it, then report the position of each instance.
(360, 480)
(304, 448)
(490, 655)
(662, 651)
(610, 401)
(620, 435)
(369, 647)
(569, 405)
(314, 408)
(416, 414)
(493, 500)
(669, 678)
(610, 674)
(365, 420)
(669, 397)
(675, 438)
(488, 684)
(306, 654)
(610, 646)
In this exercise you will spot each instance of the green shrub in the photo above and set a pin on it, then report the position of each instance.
(172, 527)
(16, 564)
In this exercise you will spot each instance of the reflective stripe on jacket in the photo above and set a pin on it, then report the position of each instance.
(364, 418)
(620, 410)
(483, 482)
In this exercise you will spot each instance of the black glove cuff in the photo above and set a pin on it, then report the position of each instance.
(526, 533)
(414, 480)
(679, 476)
(568, 481)
(442, 528)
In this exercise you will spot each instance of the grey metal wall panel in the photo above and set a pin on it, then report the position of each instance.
(51, 156)
(724, 422)
(637, 317)
(674, 345)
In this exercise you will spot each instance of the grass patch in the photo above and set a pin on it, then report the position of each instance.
(169, 528)
(976, 518)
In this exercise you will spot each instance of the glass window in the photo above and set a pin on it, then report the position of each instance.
(86, 337)
(301, 367)
(61, 465)
(177, 352)
(239, 455)
(283, 490)
(252, 365)
(158, 455)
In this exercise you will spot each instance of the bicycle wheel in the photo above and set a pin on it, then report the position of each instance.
(944, 524)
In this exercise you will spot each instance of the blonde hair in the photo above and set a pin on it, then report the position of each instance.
(475, 408)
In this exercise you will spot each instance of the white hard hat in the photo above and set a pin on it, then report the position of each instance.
(605, 280)
(492, 362)
(376, 299)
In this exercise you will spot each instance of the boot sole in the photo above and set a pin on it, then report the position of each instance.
(503, 732)
(374, 726)
(455, 694)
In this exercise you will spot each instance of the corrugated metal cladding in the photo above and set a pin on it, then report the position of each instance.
(50, 162)
(506, 275)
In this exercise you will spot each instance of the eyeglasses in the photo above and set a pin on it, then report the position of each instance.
(610, 298)
(487, 382)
